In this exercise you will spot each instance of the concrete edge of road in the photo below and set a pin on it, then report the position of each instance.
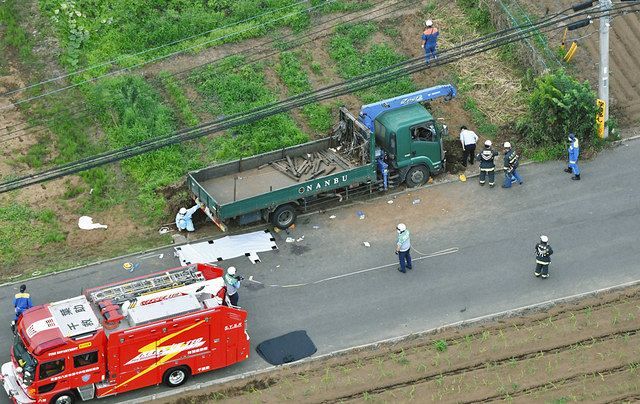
(520, 311)
(248, 228)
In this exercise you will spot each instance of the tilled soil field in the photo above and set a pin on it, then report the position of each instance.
(624, 56)
(588, 350)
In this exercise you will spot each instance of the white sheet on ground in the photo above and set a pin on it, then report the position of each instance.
(227, 247)
(86, 223)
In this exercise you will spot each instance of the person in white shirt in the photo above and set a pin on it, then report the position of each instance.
(468, 138)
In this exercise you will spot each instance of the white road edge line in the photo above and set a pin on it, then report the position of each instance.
(463, 323)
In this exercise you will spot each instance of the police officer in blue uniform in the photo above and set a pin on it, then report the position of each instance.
(574, 152)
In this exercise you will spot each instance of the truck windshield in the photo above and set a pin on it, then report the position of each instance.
(25, 360)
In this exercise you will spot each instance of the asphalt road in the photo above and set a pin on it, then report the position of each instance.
(592, 225)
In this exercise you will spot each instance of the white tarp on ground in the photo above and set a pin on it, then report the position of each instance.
(227, 247)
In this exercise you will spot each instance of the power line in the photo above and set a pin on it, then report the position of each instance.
(410, 66)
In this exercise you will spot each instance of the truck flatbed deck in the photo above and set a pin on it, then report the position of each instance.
(250, 183)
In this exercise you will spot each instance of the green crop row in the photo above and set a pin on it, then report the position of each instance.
(230, 89)
(92, 31)
(131, 111)
(348, 47)
(294, 76)
(179, 99)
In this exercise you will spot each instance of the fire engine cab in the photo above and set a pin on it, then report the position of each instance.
(162, 327)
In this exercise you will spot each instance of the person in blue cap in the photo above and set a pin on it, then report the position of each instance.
(22, 301)
(574, 152)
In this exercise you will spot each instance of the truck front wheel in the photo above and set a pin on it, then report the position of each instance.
(417, 176)
(64, 398)
(284, 216)
(175, 377)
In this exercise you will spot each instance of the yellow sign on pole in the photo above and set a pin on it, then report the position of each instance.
(600, 118)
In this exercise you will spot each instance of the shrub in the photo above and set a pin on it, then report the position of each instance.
(559, 104)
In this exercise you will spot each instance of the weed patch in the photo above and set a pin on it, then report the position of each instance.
(179, 99)
(92, 31)
(230, 90)
(131, 111)
(23, 229)
(292, 74)
(347, 48)
(14, 35)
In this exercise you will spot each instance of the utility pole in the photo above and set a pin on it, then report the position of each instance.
(603, 80)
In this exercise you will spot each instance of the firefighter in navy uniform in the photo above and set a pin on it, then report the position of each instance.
(487, 165)
(543, 257)
(511, 162)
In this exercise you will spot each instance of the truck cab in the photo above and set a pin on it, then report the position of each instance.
(57, 348)
(411, 141)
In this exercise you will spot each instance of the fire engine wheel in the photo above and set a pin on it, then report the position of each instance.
(64, 398)
(417, 176)
(175, 377)
(284, 216)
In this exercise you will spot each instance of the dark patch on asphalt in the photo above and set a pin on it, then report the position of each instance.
(299, 249)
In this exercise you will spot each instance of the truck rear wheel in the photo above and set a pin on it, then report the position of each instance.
(284, 216)
(417, 176)
(64, 398)
(177, 376)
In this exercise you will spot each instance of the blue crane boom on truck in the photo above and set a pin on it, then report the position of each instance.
(396, 137)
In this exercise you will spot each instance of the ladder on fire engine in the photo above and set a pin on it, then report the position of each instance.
(167, 280)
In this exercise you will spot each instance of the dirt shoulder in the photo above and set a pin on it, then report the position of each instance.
(581, 351)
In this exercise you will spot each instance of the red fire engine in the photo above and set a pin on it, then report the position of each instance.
(162, 327)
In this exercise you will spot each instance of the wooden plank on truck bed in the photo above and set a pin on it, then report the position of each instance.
(284, 170)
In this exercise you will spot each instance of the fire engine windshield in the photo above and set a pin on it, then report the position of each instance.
(27, 362)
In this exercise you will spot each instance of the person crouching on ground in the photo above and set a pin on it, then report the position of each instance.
(183, 218)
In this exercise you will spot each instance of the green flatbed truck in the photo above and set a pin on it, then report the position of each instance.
(393, 141)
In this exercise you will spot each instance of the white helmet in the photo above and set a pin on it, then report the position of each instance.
(544, 239)
(183, 211)
(401, 227)
(428, 23)
(487, 143)
(507, 145)
(231, 270)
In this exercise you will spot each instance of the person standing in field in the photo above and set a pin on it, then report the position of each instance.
(430, 38)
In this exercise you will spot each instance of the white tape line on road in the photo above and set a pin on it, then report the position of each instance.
(362, 271)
